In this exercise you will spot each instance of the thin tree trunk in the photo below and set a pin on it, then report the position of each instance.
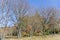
(19, 33)
(32, 31)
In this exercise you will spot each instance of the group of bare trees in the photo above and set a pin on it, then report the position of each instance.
(43, 21)
(13, 13)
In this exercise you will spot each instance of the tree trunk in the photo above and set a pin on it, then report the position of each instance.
(19, 33)
(32, 31)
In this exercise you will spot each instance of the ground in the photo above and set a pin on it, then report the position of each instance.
(49, 37)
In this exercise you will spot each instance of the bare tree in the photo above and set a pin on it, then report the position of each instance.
(5, 15)
(3, 19)
(19, 13)
(49, 15)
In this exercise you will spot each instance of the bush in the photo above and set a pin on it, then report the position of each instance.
(52, 30)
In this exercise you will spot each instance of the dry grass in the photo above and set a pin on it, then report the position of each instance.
(50, 37)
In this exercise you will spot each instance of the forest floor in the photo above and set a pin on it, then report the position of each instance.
(47, 37)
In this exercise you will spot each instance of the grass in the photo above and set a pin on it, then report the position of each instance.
(49, 37)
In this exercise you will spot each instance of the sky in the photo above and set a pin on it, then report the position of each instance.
(44, 3)
(35, 3)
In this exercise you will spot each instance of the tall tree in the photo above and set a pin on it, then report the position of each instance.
(20, 12)
(49, 15)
